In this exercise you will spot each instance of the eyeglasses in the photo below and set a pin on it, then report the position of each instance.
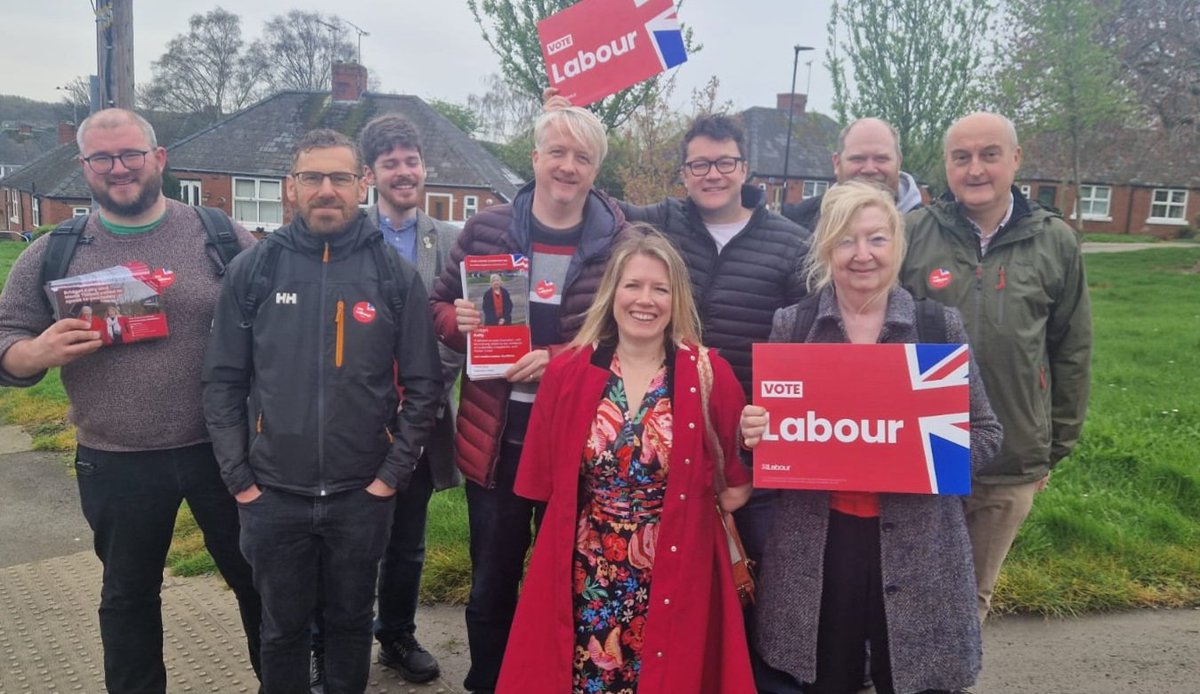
(103, 163)
(701, 167)
(312, 179)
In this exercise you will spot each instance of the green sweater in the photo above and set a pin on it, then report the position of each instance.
(1026, 307)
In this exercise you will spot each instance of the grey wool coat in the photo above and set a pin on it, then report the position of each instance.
(928, 576)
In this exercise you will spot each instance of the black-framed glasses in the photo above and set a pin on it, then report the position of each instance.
(103, 163)
(701, 167)
(312, 179)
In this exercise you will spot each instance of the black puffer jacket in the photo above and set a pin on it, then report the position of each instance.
(317, 359)
(737, 291)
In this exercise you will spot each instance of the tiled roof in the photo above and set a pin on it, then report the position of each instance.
(16, 148)
(55, 174)
(259, 140)
(814, 137)
(1117, 157)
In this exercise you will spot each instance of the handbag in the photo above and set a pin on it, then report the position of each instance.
(743, 571)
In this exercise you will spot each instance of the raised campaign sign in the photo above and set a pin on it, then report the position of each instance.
(872, 418)
(598, 47)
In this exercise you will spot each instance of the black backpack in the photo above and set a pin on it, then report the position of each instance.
(931, 320)
(222, 244)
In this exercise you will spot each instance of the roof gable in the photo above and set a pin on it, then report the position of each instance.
(814, 138)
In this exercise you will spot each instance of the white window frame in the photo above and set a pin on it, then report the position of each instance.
(814, 188)
(371, 199)
(14, 206)
(80, 211)
(470, 206)
(1026, 190)
(450, 205)
(257, 200)
(35, 206)
(1088, 196)
(191, 192)
(1168, 204)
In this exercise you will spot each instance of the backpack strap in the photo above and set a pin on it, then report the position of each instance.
(60, 249)
(262, 279)
(389, 274)
(221, 238)
(931, 322)
(806, 315)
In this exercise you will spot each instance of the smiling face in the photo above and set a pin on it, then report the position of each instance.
(123, 193)
(642, 304)
(869, 153)
(326, 208)
(863, 260)
(717, 196)
(399, 178)
(982, 158)
(564, 169)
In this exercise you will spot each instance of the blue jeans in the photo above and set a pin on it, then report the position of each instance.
(501, 531)
(130, 500)
(400, 571)
(297, 543)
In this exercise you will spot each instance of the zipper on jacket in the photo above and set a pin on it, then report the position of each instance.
(258, 424)
(321, 381)
(339, 323)
(978, 299)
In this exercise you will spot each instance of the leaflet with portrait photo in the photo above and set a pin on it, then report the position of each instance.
(123, 303)
(498, 286)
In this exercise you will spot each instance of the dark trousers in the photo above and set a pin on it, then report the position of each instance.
(501, 531)
(400, 570)
(130, 500)
(297, 543)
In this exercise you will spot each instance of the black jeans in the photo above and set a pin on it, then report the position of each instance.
(296, 543)
(501, 531)
(130, 500)
(400, 570)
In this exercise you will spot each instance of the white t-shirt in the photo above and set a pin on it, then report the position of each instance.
(721, 233)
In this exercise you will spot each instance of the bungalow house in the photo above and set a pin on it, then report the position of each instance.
(810, 156)
(1134, 181)
(47, 189)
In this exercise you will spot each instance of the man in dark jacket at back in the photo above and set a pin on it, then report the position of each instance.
(310, 326)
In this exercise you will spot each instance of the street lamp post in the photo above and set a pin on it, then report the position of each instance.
(787, 149)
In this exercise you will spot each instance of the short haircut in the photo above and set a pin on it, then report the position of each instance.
(1008, 125)
(385, 133)
(841, 142)
(838, 207)
(324, 138)
(111, 118)
(714, 127)
(639, 238)
(579, 123)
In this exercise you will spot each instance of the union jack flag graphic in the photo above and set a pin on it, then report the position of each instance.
(520, 262)
(668, 37)
(946, 437)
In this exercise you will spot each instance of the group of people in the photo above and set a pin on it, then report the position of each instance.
(311, 424)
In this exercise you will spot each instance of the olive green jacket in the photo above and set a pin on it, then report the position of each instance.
(1026, 307)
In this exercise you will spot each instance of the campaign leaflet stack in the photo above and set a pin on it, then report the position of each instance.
(123, 303)
(595, 48)
(871, 418)
(498, 285)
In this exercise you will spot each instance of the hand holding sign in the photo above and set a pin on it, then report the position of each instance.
(599, 47)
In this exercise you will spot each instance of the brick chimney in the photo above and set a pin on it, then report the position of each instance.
(783, 100)
(349, 81)
(66, 132)
(24, 129)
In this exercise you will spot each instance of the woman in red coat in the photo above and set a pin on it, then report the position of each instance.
(630, 587)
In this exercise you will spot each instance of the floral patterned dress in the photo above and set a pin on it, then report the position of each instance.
(623, 483)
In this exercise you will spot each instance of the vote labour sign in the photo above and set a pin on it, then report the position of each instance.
(873, 418)
(599, 47)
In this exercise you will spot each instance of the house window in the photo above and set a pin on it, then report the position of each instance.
(814, 188)
(372, 197)
(1094, 201)
(1025, 190)
(258, 202)
(470, 206)
(14, 206)
(189, 193)
(80, 211)
(439, 206)
(1046, 196)
(1168, 206)
(36, 204)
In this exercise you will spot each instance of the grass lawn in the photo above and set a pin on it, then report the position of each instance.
(1119, 525)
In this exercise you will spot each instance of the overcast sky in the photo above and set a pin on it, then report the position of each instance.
(430, 48)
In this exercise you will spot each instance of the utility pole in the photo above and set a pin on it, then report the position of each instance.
(114, 52)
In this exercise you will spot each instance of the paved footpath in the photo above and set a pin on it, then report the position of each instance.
(49, 637)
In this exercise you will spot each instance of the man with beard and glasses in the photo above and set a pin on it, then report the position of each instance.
(315, 364)
(143, 447)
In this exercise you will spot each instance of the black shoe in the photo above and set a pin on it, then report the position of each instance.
(316, 673)
(405, 656)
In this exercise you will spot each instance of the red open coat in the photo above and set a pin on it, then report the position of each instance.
(694, 637)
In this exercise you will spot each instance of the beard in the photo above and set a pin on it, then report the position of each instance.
(151, 190)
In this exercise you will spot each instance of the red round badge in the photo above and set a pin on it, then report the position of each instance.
(363, 312)
(545, 289)
(940, 278)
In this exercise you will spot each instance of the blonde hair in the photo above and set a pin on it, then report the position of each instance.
(581, 124)
(838, 209)
(599, 326)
